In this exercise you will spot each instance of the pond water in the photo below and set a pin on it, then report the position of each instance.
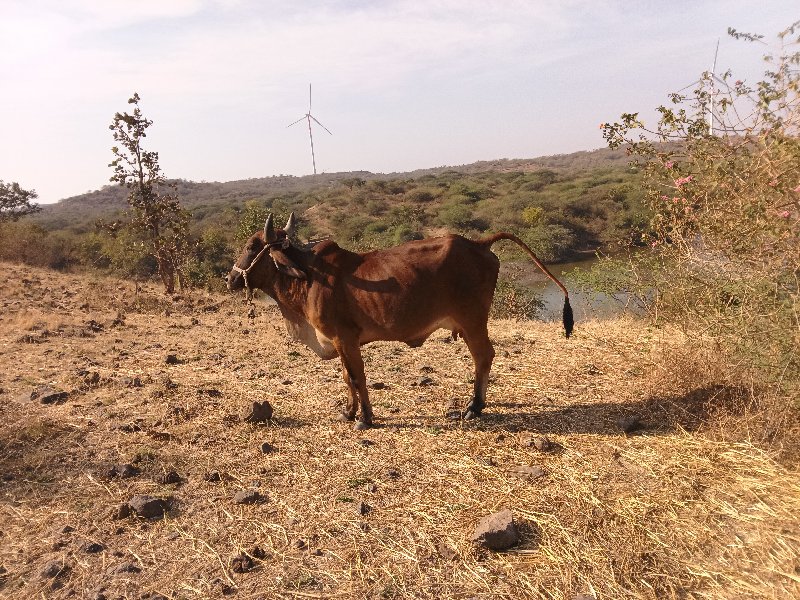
(585, 304)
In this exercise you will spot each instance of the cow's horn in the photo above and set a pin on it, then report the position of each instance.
(291, 225)
(269, 230)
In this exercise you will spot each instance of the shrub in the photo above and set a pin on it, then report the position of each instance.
(726, 211)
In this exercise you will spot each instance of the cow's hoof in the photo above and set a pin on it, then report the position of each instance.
(362, 425)
(471, 414)
(345, 418)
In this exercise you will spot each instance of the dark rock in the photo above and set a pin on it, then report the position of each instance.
(266, 448)
(132, 382)
(316, 552)
(258, 552)
(93, 547)
(362, 508)
(212, 477)
(129, 427)
(375, 385)
(527, 472)
(210, 392)
(629, 424)
(424, 380)
(261, 412)
(393, 474)
(542, 443)
(248, 497)
(366, 443)
(48, 395)
(300, 544)
(147, 507)
(497, 531)
(123, 471)
(126, 567)
(172, 359)
(53, 569)
(242, 563)
(123, 511)
(168, 478)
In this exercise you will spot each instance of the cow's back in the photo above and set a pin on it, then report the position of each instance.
(406, 292)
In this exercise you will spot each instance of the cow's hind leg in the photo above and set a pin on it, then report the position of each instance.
(353, 367)
(482, 354)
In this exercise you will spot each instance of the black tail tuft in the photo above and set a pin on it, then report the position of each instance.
(568, 319)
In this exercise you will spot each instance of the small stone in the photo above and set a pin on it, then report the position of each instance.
(393, 474)
(53, 569)
(316, 552)
(147, 507)
(126, 567)
(247, 497)
(629, 424)
(497, 531)
(241, 563)
(172, 359)
(261, 412)
(123, 511)
(445, 551)
(212, 477)
(375, 385)
(93, 547)
(300, 544)
(258, 552)
(424, 380)
(366, 443)
(543, 443)
(48, 395)
(123, 471)
(527, 472)
(168, 478)
(266, 448)
(362, 508)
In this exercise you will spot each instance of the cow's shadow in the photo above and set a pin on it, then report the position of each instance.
(653, 415)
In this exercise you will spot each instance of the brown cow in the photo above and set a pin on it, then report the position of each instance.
(335, 301)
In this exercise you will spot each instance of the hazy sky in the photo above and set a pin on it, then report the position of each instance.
(401, 84)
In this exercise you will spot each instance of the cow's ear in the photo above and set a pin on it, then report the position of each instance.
(291, 225)
(269, 230)
(285, 265)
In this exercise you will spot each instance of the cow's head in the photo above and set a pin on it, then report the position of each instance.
(264, 256)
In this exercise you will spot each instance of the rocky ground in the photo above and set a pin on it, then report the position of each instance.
(137, 460)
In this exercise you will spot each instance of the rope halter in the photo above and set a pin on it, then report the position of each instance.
(282, 244)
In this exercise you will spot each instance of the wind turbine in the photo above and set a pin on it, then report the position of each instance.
(710, 79)
(309, 117)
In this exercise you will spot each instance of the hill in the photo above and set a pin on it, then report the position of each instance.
(147, 395)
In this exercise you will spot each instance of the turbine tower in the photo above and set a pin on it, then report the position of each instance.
(309, 117)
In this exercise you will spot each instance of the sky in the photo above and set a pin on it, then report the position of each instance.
(401, 85)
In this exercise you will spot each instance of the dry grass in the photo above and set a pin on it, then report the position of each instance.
(677, 510)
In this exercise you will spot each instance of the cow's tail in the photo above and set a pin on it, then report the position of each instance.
(567, 316)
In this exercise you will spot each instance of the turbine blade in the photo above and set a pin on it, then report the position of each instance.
(320, 124)
(309, 97)
(296, 122)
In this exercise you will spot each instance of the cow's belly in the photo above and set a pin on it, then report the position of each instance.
(311, 337)
(413, 337)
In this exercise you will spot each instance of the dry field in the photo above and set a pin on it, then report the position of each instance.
(679, 508)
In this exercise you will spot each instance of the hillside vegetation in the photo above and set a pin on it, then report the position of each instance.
(561, 206)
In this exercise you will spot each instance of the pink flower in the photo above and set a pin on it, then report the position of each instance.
(797, 189)
(669, 164)
(684, 180)
(784, 214)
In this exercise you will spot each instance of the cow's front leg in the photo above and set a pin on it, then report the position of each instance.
(353, 366)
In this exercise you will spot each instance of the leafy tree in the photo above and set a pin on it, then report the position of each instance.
(725, 254)
(156, 214)
(16, 202)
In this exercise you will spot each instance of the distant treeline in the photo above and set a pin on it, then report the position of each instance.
(559, 211)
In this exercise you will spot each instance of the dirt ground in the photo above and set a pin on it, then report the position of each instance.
(107, 393)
